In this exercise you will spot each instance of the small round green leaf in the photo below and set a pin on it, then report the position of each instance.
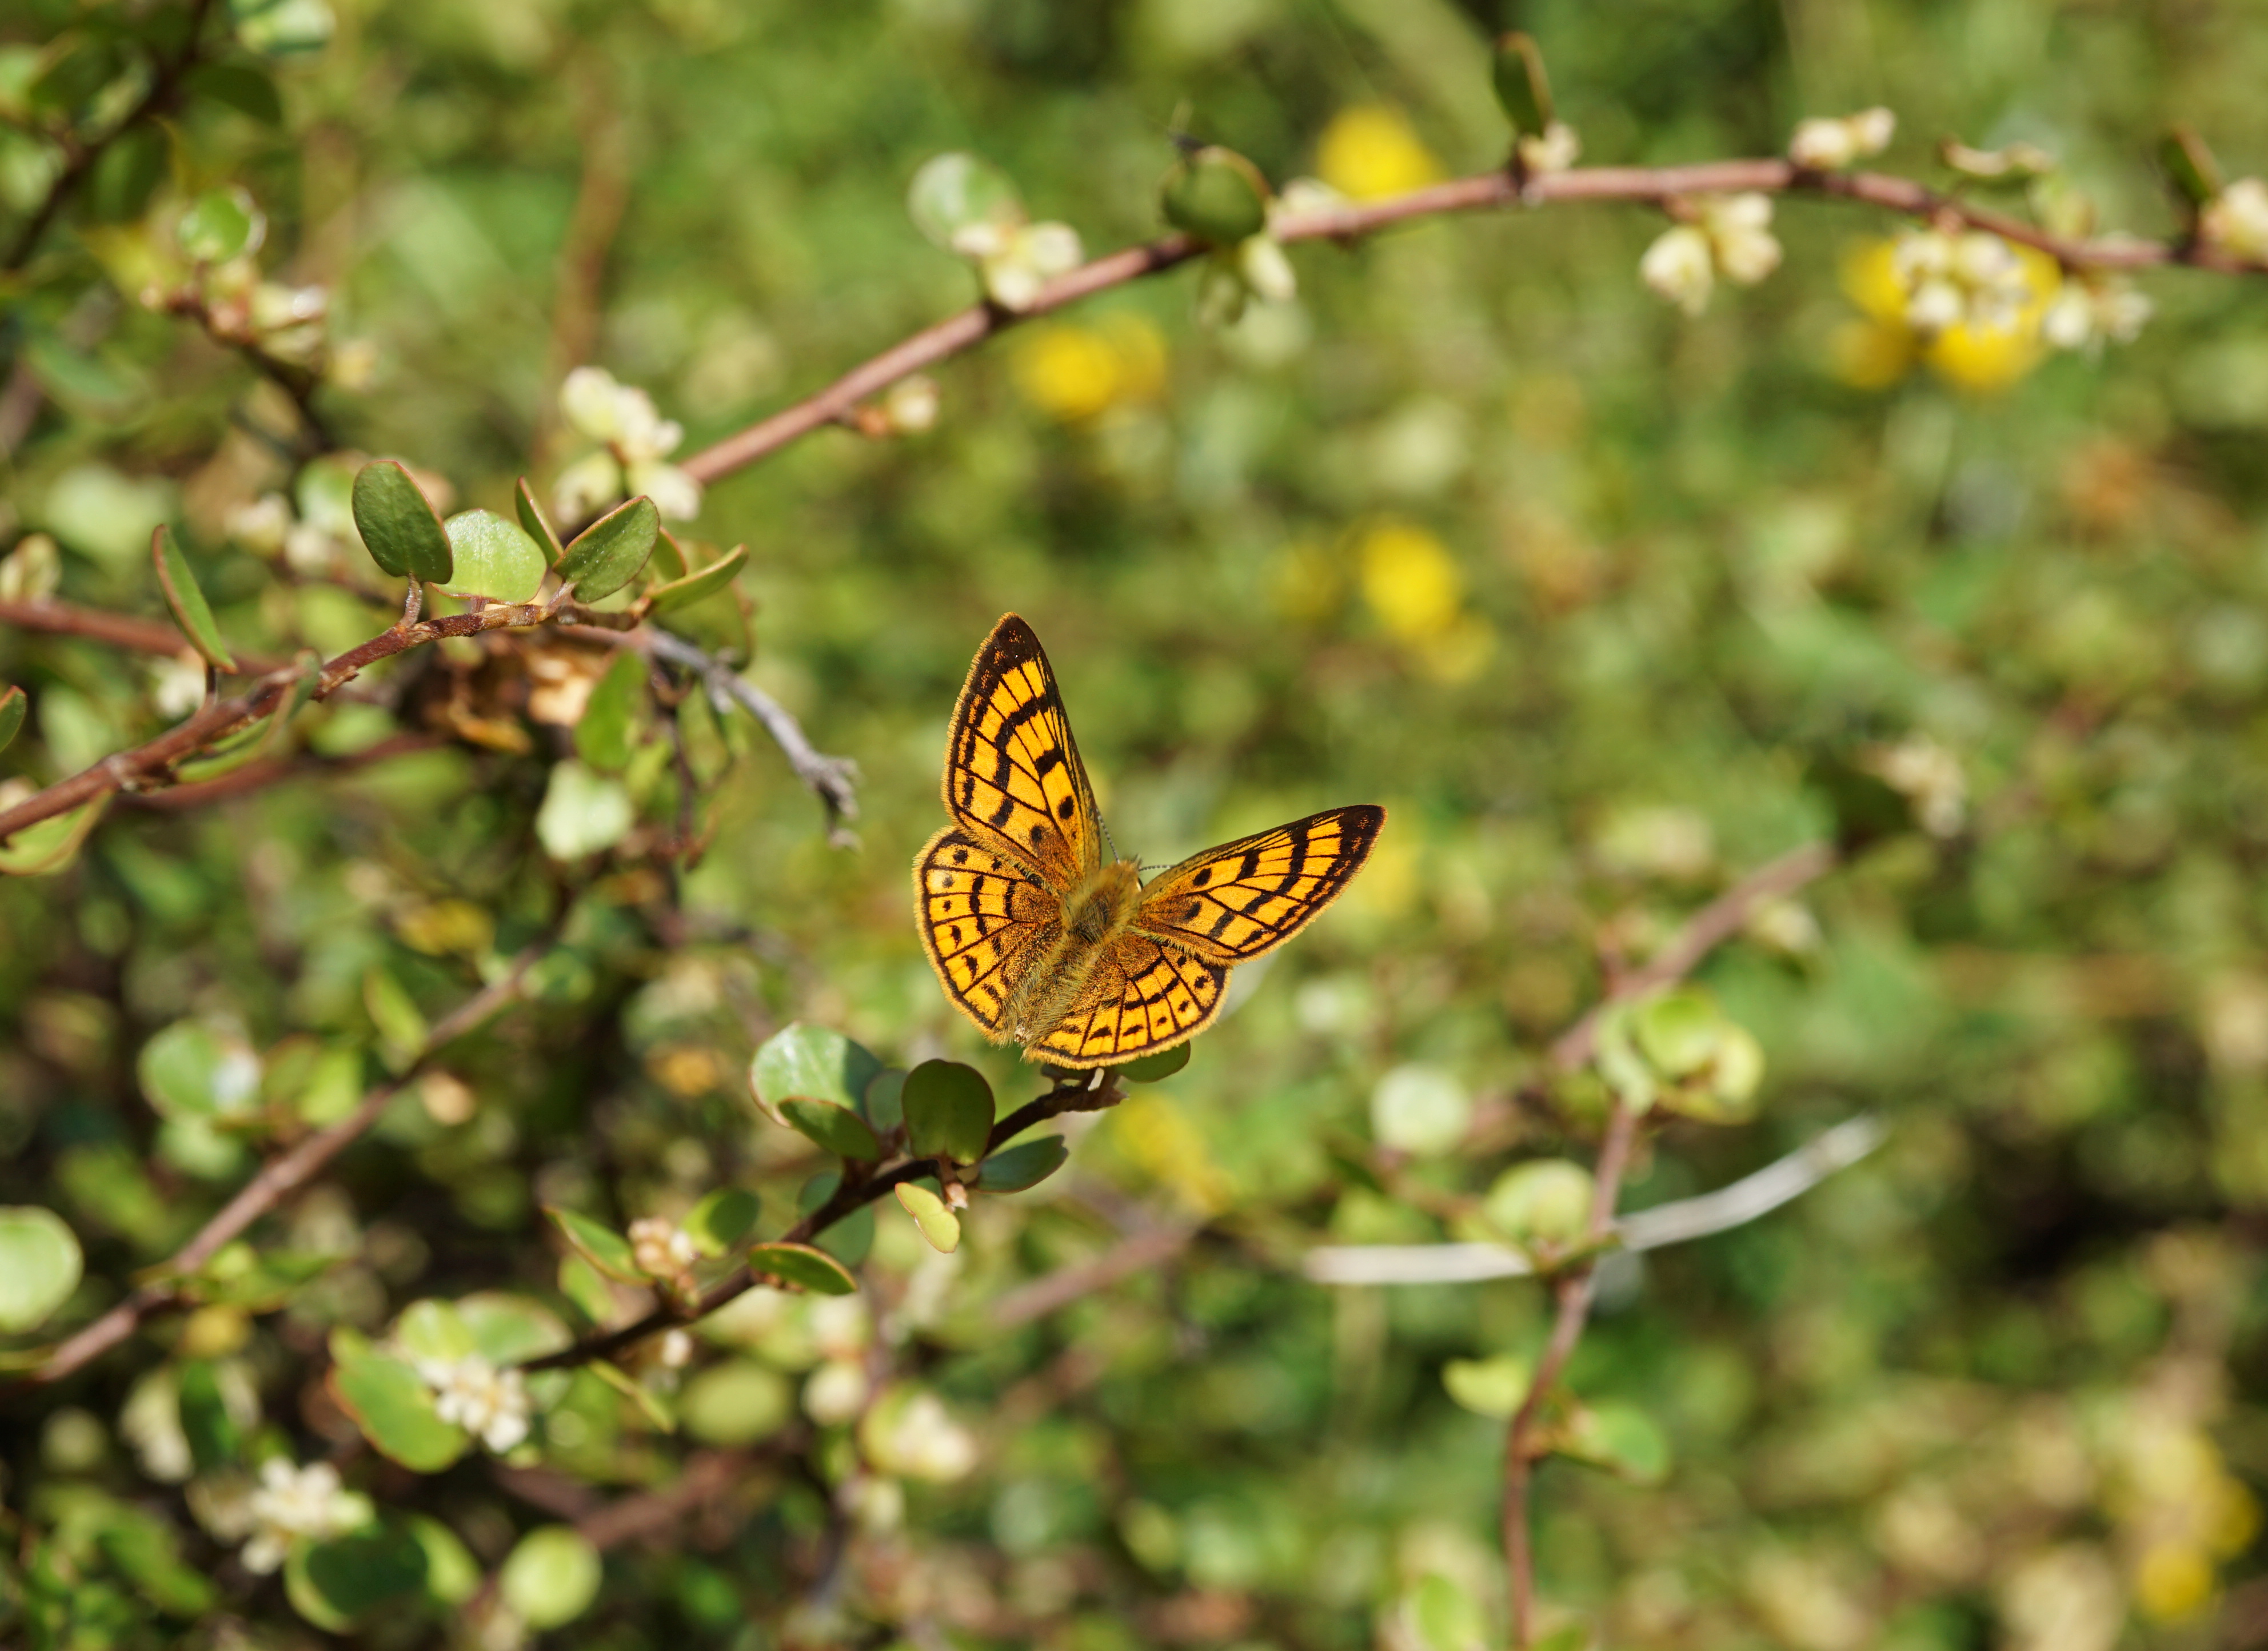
(392, 1404)
(432, 1330)
(720, 1222)
(836, 1128)
(493, 557)
(582, 813)
(451, 1575)
(1420, 1109)
(604, 735)
(13, 704)
(1620, 1438)
(801, 1267)
(1523, 92)
(949, 1111)
(343, 1581)
(690, 589)
(552, 1576)
(886, 1098)
(1546, 1198)
(532, 518)
(1157, 1067)
(191, 1070)
(652, 1405)
(1026, 1164)
(191, 612)
(736, 1402)
(1678, 1032)
(813, 1062)
(40, 1266)
(1488, 1387)
(938, 1224)
(607, 554)
(221, 225)
(398, 526)
(599, 1245)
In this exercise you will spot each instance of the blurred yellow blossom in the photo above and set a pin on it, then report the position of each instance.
(1075, 371)
(1370, 151)
(1159, 1138)
(1410, 581)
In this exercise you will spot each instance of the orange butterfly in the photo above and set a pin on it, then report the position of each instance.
(1038, 941)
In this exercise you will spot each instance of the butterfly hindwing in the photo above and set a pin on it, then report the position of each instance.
(1231, 903)
(1012, 768)
(981, 916)
(1142, 998)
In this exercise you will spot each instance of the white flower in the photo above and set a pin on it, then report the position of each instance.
(1018, 259)
(475, 1396)
(1740, 235)
(1555, 150)
(1928, 777)
(1951, 278)
(2087, 313)
(292, 1503)
(177, 686)
(584, 488)
(910, 1435)
(660, 1247)
(676, 495)
(637, 438)
(2236, 220)
(260, 524)
(590, 398)
(1829, 145)
(1680, 267)
(675, 1350)
(1266, 271)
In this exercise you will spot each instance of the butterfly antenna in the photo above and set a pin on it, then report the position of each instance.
(1107, 837)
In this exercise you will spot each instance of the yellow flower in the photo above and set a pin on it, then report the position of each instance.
(1970, 353)
(1075, 372)
(2173, 1580)
(1410, 582)
(1369, 152)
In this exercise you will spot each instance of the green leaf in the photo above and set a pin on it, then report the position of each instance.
(599, 1245)
(48, 847)
(1488, 1387)
(552, 1576)
(390, 1402)
(451, 1575)
(220, 225)
(607, 554)
(432, 1329)
(949, 1111)
(690, 589)
(1620, 1438)
(603, 735)
(344, 1581)
(812, 1063)
(1217, 196)
(259, 1281)
(145, 1549)
(1419, 1109)
(584, 813)
(584, 1285)
(1678, 1031)
(1447, 1618)
(720, 1222)
(402, 1028)
(1523, 91)
(283, 28)
(127, 174)
(1546, 1198)
(670, 562)
(955, 192)
(1157, 1067)
(885, 1100)
(212, 1431)
(2190, 164)
(801, 1267)
(938, 1224)
(836, 1128)
(508, 1328)
(1026, 1164)
(247, 90)
(14, 702)
(532, 518)
(493, 558)
(398, 526)
(190, 1070)
(40, 1266)
(736, 1402)
(191, 612)
(651, 1404)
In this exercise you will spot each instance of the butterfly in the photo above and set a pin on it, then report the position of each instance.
(1039, 939)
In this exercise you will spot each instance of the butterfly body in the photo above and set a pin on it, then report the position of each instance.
(1039, 939)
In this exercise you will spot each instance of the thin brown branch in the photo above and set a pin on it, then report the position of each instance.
(855, 1192)
(1521, 1447)
(150, 764)
(1707, 929)
(165, 87)
(263, 772)
(1654, 185)
(120, 630)
(278, 1179)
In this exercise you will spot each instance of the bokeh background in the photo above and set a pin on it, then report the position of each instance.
(1477, 528)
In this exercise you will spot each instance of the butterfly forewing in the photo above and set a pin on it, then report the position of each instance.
(1230, 903)
(1012, 768)
(981, 916)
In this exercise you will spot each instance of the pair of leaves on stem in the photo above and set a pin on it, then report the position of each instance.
(479, 553)
(718, 1226)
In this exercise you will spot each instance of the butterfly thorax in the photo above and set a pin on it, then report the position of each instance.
(1096, 910)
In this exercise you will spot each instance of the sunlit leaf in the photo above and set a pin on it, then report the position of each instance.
(801, 1267)
(191, 612)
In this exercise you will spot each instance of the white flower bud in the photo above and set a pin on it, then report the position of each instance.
(2236, 220)
(1873, 129)
(836, 1392)
(260, 525)
(676, 495)
(1267, 272)
(661, 1248)
(1680, 267)
(1555, 150)
(1823, 146)
(909, 406)
(589, 397)
(1745, 250)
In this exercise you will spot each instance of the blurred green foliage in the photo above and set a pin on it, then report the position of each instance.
(1608, 605)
